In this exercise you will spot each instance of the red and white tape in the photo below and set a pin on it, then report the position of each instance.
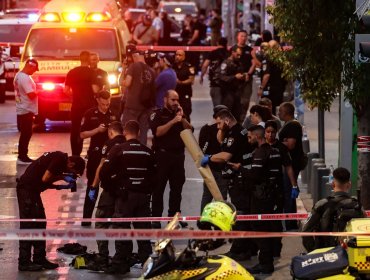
(137, 234)
(254, 217)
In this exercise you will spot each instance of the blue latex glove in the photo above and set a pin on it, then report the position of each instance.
(92, 194)
(295, 192)
(69, 179)
(66, 187)
(205, 160)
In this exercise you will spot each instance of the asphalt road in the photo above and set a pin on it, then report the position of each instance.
(65, 204)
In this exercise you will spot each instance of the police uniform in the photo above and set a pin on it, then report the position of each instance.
(80, 79)
(185, 91)
(135, 168)
(246, 87)
(321, 219)
(275, 87)
(286, 160)
(169, 152)
(236, 143)
(231, 86)
(105, 208)
(264, 185)
(30, 205)
(92, 119)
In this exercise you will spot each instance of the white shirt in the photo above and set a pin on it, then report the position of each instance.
(158, 25)
(23, 85)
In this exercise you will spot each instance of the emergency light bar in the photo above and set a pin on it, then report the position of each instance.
(76, 17)
(98, 17)
(73, 16)
(49, 17)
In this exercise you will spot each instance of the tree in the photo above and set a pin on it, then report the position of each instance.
(323, 59)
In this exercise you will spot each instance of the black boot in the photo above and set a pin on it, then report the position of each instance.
(29, 266)
(117, 268)
(44, 263)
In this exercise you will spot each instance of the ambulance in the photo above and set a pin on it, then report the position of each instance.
(64, 29)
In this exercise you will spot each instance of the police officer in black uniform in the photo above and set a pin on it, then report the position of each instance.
(94, 125)
(166, 125)
(38, 177)
(324, 213)
(105, 208)
(185, 78)
(135, 167)
(272, 82)
(231, 78)
(79, 83)
(234, 149)
(248, 67)
(263, 183)
(271, 129)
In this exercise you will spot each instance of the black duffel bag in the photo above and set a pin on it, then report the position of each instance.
(320, 263)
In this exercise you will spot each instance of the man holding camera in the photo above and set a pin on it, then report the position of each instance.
(95, 125)
(166, 125)
(38, 177)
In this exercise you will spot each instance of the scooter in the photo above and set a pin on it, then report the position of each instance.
(164, 263)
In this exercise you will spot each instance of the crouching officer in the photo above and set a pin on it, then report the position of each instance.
(38, 177)
(105, 208)
(136, 176)
(94, 126)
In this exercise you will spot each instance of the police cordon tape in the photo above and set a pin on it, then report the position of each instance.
(255, 217)
(145, 234)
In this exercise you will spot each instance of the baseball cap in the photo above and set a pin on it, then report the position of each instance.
(33, 62)
(219, 108)
(167, 57)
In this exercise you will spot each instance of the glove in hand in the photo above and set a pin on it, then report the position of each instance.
(295, 192)
(92, 194)
(205, 160)
(69, 179)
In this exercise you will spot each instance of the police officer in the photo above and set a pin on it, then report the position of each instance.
(94, 125)
(38, 177)
(166, 125)
(272, 82)
(105, 208)
(231, 78)
(324, 213)
(79, 83)
(209, 144)
(185, 78)
(136, 172)
(271, 129)
(234, 149)
(263, 183)
(248, 67)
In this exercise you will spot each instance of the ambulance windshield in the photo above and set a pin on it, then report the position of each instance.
(67, 43)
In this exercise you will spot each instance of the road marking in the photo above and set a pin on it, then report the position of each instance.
(200, 180)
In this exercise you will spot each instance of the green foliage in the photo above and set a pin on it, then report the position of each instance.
(322, 58)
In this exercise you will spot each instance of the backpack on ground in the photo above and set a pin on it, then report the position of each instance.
(73, 249)
(320, 263)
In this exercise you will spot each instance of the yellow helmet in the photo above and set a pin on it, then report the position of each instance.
(220, 214)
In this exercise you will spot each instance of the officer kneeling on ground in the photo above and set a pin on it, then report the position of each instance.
(332, 213)
(136, 175)
(38, 177)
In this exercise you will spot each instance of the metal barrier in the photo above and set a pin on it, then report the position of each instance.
(325, 188)
(314, 182)
(318, 185)
(306, 173)
(309, 178)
